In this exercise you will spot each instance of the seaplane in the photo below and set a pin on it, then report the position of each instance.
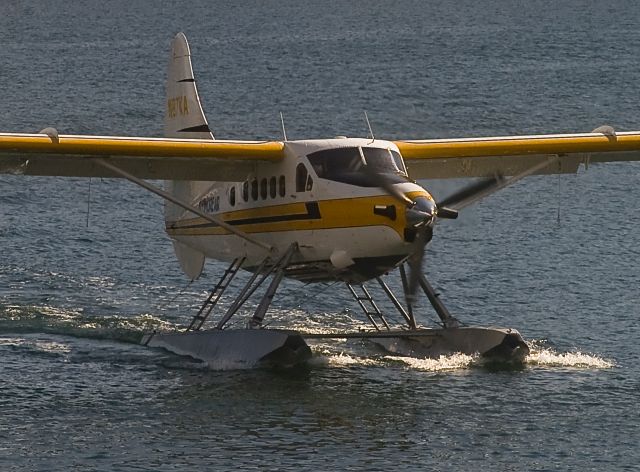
(342, 209)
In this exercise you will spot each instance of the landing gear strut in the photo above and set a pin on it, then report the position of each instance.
(500, 343)
(372, 311)
(227, 348)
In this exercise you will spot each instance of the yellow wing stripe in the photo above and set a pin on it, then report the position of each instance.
(512, 146)
(146, 147)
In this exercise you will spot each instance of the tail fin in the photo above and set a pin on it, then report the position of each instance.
(184, 118)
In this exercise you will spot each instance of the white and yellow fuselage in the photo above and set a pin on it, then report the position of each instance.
(345, 229)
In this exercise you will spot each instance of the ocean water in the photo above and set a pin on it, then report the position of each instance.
(85, 269)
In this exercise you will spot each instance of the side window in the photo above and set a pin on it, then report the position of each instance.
(232, 195)
(263, 189)
(301, 178)
(273, 190)
(282, 186)
(254, 188)
(245, 190)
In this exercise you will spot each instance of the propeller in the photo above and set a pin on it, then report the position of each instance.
(473, 192)
(422, 213)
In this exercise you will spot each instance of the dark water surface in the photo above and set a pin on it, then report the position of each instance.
(555, 257)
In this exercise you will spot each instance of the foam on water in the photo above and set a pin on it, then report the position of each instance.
(325, 358)
(547, 357)
(349, 355)
(451, 362)
(442, 364)
(344, 354)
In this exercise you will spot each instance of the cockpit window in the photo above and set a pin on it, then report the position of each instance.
(397, 158)
(347, 165)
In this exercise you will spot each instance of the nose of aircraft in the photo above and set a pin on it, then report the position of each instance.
(422, 212)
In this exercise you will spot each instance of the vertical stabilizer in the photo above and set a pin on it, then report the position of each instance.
(184, 118)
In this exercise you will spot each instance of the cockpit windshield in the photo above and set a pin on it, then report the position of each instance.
(354, 165)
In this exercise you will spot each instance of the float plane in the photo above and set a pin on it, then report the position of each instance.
(341, 209)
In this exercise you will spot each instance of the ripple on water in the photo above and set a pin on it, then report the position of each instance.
(65, 321)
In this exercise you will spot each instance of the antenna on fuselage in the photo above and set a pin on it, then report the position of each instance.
(284, 131)
(366, 117)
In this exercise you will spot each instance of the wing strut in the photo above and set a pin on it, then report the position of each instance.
(180, 203)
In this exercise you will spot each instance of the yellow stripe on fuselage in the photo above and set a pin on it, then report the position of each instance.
(334, 213)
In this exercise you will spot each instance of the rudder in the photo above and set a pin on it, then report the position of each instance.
(184, 118)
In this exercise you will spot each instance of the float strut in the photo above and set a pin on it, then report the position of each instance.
(245, 293)
(448, 321)
(408, 316)
(211, 301)
(405, 288)
(368, 306)
(258, 316)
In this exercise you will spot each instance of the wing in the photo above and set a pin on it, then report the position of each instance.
(145, 158)
(516, 155)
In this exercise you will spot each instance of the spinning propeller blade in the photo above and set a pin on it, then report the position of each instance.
(423, 236)
(423, 222)
(385, 183)
(473, 192)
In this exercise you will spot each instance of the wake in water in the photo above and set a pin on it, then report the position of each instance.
(544, 356)
(53, 320)
(336, 353)
(540, 356)
(443, 363)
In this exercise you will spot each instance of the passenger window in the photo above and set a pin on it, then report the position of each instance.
(301, 177)
(254, 188)
(263, 189)
(273, 190)
(245, 190)
(232, 196)
(282, 186)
